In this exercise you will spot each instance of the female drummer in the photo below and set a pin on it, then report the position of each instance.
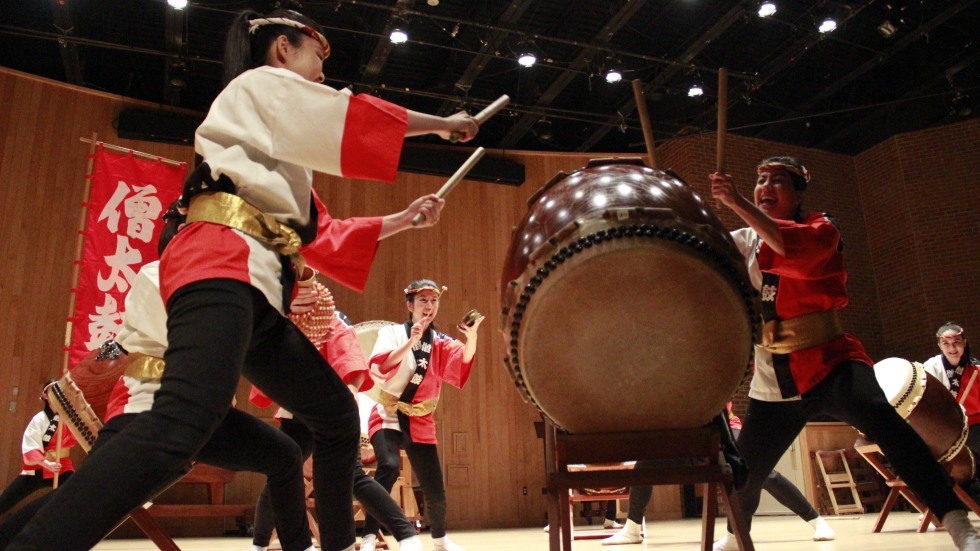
(806, 365)
(410, 363)
(227, 278)
(44, 456)
(958, 370)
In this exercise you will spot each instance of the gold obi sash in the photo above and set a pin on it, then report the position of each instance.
(141, 366)
(54, 455)
(392, 404)
(785, 336)
(231, 210)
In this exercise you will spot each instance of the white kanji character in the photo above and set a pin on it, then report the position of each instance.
(104, 324)
(142, 209)
(120, 265)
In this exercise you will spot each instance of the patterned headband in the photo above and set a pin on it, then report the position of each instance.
(254, 24)
(799, 171)
(437, 290)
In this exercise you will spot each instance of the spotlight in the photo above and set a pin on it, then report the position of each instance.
(766, 9)
(887, 29)
(177, 4)
(613, 76)
(960, 105)
(398, 36)
(827, 26)
(433, 3)
(526, 55)
(695, 90)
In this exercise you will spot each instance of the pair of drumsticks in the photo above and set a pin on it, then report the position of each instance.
(464, 169)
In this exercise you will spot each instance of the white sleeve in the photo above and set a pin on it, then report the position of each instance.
(934, 367)
(144, 327)
(34, 433)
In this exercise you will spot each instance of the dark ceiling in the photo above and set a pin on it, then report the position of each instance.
(843, 91)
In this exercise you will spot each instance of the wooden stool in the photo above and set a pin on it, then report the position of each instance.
(695, 455)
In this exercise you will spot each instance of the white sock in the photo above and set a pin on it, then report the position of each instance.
(632, 528)
(821, 530)
(259, 548)
(413, 543)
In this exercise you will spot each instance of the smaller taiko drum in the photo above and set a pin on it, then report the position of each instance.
(931, 410)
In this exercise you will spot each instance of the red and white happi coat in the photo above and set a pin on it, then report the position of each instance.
(445, 364)
(970, 402)
(343, 250)
(267, 131)
(809, 278)
(37, 441)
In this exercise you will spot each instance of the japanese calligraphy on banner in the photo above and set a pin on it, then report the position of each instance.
(126, 204)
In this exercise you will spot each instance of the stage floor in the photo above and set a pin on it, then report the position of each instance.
(770, 533)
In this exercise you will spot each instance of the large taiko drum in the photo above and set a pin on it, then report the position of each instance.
(626, 305)
(930, 409)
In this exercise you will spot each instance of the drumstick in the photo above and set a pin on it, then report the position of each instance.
(722, 124)
(973, 377)
(57, 453)
(641, 110)
(482, 116)
(453, 180)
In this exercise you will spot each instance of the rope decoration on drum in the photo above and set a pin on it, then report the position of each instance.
(676, 235)
(73, 415)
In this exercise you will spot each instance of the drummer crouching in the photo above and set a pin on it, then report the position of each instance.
(806, 365)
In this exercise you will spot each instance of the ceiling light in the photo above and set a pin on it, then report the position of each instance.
(827, 26)
(887, 29)
(177, 4)
(695, 91)
(766, 9)
(613, 76)
(398, 36)
(432, 3)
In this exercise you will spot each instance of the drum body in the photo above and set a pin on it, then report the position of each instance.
(626, 305)
(930, 409)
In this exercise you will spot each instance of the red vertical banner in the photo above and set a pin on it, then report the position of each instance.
(128, 198)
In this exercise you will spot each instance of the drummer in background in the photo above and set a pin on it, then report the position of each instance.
(41, 458)
(806, 365)
(410, 362)
(957, 369)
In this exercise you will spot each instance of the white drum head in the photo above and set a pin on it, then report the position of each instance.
(903, 382)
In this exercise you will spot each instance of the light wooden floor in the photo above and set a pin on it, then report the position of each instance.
(783, 533)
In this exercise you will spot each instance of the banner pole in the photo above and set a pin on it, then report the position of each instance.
(133, 152)
(79, 246)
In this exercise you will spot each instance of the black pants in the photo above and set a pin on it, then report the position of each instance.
(377, 502)
(218, 330)
(425, 464)
(849, 393)
(25, 485)
(785, 492)
(241, 443)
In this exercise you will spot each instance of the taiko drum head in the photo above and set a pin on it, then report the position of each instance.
(626, 305)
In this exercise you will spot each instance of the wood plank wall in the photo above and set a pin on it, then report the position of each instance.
(489, 448)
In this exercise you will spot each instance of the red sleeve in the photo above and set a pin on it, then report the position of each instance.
(343, 249)
(811, 248)
(343, 353)
(34, 457)
(450, 366)
(374, 132)
(259, 398)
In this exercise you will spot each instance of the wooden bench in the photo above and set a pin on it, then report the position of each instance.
(214, 478)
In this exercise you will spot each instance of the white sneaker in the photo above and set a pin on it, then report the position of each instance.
(611, 524)
(413, 543)
(368, 542)
(822, 531)
(961, 530)
(259, 548)
(623, 537)
(445, 544)
(726, 543)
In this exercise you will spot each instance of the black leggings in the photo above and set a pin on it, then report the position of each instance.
(25, 485)
(785, 492)
(376, 500)
(849, 393)
(218, 330)
(425, 464)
